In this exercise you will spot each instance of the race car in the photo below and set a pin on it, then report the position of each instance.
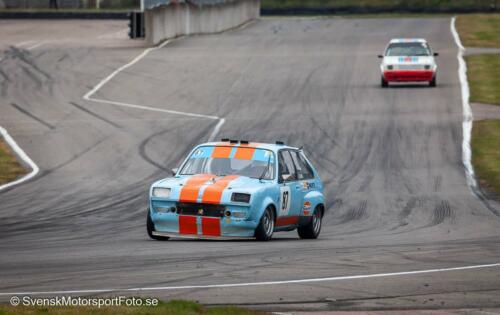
(238, 190)
(408, 60)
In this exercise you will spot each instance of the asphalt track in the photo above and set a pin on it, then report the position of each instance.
(391, 160)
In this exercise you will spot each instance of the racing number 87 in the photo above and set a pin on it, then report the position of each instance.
(284, 204)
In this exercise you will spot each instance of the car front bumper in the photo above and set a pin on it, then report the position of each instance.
(191, 226)
(408, 75)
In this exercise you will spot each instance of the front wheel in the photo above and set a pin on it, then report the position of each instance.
(383, 82)
(312, 229)
(265, 230)
(151, 227)
(433, 83)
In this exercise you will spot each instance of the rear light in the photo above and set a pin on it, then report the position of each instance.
(239, 197)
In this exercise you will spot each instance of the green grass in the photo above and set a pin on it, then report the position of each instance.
(175, 307)
(479, 30)
(483, 73)
(486, 153)
(10, 169)
(380, 4)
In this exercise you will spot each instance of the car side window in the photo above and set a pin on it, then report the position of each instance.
(286, 165)
(306, 167)
(303, 169)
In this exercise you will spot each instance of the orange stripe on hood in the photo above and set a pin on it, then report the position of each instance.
(213, 193)
(189, 193)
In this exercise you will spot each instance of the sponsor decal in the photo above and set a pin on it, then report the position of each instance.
(408, 59)
(306, 208)
(308, 185)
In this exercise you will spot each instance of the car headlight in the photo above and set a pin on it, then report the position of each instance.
(161, 192)
(239, 197)
(390, 67)
(427, 67)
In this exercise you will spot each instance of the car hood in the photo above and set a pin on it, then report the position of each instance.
(207, 188)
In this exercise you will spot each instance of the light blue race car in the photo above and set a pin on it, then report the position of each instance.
(236, 190)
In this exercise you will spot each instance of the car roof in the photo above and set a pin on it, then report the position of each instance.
(258, 145)
(407, 40)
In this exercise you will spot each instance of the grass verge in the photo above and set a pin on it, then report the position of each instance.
(175, 307)
(10, 169)
(486, 153)
(479, 30)
(380, 4)
(484, 79)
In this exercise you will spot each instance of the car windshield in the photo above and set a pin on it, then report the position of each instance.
(231, 160)
(408, 49)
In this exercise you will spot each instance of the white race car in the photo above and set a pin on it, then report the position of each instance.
(408, 60)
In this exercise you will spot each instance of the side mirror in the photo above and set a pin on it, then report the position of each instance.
(380, 56)
(174, 171)
(286, 177)
(436, 54)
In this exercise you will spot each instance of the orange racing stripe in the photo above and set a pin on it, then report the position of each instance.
(244, 153)
(189, 193)
(221, 152)
(213, 193)
(210, 226)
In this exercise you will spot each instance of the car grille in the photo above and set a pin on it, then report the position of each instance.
(410, 67)
(200, 209)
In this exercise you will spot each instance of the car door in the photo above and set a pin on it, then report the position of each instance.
(290, 191)
(305, 177)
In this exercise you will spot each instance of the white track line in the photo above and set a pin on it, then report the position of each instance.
(37, 45)
(17, 149)
(467, 111)
(264, 283)
(97, 87)
(21, 44)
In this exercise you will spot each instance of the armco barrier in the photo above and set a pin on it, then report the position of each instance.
(196, 17)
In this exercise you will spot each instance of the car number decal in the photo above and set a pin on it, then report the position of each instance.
(284, 200)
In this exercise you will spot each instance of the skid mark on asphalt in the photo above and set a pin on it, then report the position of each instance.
(442, 211)
(89, 96)
(27, 113)
(80, 107)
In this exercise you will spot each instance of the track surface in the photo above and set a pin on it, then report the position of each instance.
(390, 159)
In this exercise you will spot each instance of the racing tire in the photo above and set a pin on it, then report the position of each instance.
(264, 232)
(383, 82)
(433, 83)
(151, 228)
(312, 229)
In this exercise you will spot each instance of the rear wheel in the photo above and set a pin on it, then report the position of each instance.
(151, 228)
(312, 229)
(265, 230)
(433, 83)
(383, 82)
